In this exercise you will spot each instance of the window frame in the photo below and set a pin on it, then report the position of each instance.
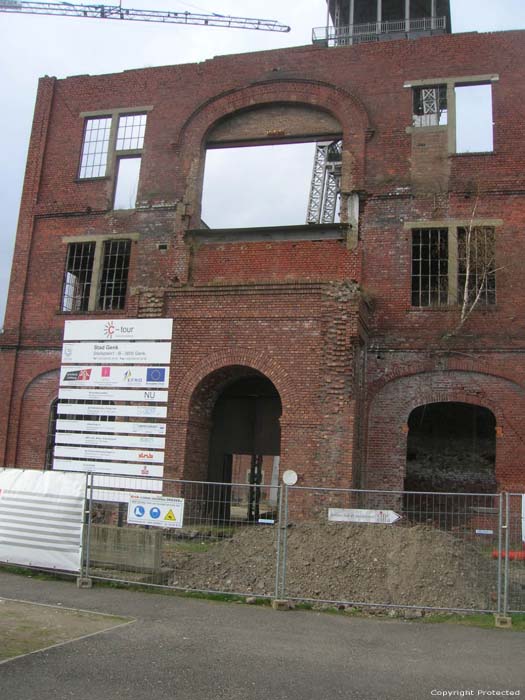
(454, 289)
(100, 242)
(114, 154)
(451, 83)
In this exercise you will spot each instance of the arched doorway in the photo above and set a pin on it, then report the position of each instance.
(233, 438)
(451, 446)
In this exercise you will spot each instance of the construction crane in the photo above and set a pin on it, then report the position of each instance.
(68, 9)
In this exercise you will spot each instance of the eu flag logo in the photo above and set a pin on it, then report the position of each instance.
(155, 374)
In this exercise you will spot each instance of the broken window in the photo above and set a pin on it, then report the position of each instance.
(429, 267)
(257, 185)
(476, 265)
(106, 138)
(430, 106)
(445, 262)
(96, 275)
(474, 126)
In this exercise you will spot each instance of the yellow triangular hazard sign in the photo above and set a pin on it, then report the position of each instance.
(170, 515)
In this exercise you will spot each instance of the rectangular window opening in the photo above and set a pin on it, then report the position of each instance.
(476, 265)
(257, 185)
(77, 280)
(429, 267)
(430, 106)
(127, 182)
(474, 123)
(130, 134)
(95, 147)
(114, 275)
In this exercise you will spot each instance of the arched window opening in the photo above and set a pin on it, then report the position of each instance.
(451, 447)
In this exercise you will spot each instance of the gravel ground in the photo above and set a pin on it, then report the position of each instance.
(416, 565)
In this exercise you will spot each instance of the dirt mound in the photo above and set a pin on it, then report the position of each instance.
(415, 565)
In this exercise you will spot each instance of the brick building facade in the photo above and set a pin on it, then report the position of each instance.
(333, 333)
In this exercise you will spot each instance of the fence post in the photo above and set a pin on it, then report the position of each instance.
(88, 539)
(284, 541)
(507, 550)
(500, 545)
(278, 555)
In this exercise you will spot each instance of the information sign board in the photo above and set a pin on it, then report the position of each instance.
(114, 426)
(158, 511)
(362, 515)
(146, 395)
(116, 353)
(115, 376)
(113, 440)
(79, 409)
(121, 329)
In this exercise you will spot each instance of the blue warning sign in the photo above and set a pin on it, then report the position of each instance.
(154, 512)
(139, 511)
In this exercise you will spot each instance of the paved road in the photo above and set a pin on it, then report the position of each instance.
(184, 649)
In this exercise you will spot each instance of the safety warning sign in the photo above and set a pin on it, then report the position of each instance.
(159, 511)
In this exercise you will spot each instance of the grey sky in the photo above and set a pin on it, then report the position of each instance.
(34, 46)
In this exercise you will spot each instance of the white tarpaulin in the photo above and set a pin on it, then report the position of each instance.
(41, 518)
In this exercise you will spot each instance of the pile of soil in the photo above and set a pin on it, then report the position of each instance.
(416, 565)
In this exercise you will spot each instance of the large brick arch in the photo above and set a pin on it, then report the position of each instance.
(36, 404)
(391, 406)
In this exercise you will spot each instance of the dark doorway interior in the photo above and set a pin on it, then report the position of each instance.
(451, 447)
(245, 444)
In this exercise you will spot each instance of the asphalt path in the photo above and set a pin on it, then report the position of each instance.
(186, 649)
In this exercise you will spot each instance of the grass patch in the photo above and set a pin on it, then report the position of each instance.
(483, 620)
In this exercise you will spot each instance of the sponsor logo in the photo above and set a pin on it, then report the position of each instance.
(105, 371)
(155, 374)
(127, 375)
(109, 329)
(144, 471)
(68, 351)
(78, 375)
(145, 455)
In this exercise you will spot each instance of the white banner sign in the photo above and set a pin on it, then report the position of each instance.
(121, 329)
(41, 518)
(362, 515)
(108, 483)
(79, 452)
(114, 426)
(116, 468)
(153, 395)
(79, 409)
(116, 353)
(144, 442)
(119, 376)
(155, 510)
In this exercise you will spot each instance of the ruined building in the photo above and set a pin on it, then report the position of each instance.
(377, 343)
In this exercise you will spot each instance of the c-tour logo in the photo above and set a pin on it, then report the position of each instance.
(109, 329)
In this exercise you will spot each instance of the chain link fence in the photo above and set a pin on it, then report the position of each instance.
(437, 551)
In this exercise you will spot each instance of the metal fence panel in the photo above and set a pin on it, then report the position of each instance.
(225, 542)
(514, 553)
(392, 549)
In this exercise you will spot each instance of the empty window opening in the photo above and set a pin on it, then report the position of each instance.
(429, 267)
(430, 106)
(474, 125)
(114, 277)
(476, 265)
(257, 185)
(96, 147)
(420, 9)
(126, 187)
(77, 281)
(451, 447)
(365, 12)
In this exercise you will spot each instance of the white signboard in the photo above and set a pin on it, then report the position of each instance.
(125, 483)
(119, 376)
(114, 426)
(117, 468)
(116, 353)
(113, 440)
(79, 409)
(41, 518)
(362, 515)
(79, 452)
(121, 329)
(155, 510)
(114, 395)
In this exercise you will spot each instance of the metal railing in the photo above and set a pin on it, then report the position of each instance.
(376, 31)
(382, 549)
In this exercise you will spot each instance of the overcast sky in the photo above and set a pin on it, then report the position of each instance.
(34, 46)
